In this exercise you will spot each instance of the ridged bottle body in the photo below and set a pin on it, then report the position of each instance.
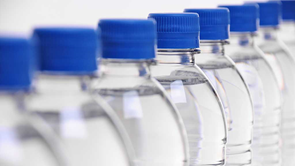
(151, 121)
(266, 96)
(275, 49)
(89, 134)
(235, 97)
(23, 140)
(198, 104)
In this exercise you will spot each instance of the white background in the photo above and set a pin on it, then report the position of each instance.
(21, 16)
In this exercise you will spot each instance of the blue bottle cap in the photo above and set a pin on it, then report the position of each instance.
(177, 30)
(67, 50)
(214, 23)
(243, 18)
(288, 7)
(16, 63)
(128, 38)
(270, 13)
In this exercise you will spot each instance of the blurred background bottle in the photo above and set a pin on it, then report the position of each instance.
(87, 128)
(189, 88)
(287, 28)
(224, 75)
(276, 51)
(24, 141)
(262, 83)
(287, 34)
(153, 123)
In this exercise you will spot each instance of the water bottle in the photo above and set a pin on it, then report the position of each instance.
(274, 48)
(189, 88)
(261, 81)
(23, 140)
(287, 28)
(88, 129)
(152, 122)
(224, 75)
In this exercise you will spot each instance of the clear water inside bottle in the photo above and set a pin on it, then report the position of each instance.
(198, 105)
(227, 81)
(273, 48)
(266, 136)
(151, 121)
(88, 134)
(266, 96)
(21, 142)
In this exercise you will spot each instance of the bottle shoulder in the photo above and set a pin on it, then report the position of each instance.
(213, 61)
(58, 106)
(240, 54)
(187, 74)
(41, 100)
(25, 134)
(121, 85)
(272, 46)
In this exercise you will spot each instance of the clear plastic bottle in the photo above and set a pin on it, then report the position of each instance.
(154, 125)
(23, 140)
(224, 75)
(261, 80)
(287, 27)
(197, 101)
(88, 128)
(274, 48)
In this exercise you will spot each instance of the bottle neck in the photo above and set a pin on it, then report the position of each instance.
(287, 31)
(125, 68)
(269, 33)
(242, 39)
(176, 56)
(289, 26)
(213, 46)
(49, 83)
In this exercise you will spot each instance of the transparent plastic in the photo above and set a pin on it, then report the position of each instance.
(275, 49)
(88, 130)
(197, 102)
(151, 120)
(266, 96)
(235, 96)
(287, 34)
(24, 141)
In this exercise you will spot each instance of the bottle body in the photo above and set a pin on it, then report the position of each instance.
(22, 139)
(266, 96)
(234, 94)
(198, 105)
(82, 124)
(273, 48)
(151, 121)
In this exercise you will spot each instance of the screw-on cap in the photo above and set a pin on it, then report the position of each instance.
(214, 23)
(67, 50)
(16, 64)
(128, 38)
(288, 10)
(270, 13)
(177, 30)
(243, 18)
